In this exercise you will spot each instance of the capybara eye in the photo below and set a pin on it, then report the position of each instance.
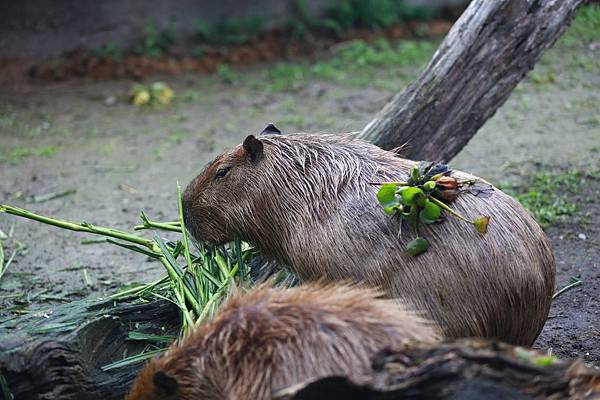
(221, 172)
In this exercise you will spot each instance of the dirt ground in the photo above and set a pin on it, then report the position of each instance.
(121, 159)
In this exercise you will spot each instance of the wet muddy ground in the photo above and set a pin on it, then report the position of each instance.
(121, 159)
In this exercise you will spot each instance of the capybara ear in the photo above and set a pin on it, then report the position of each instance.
(254, 148)
(165, 383)
(271, 130)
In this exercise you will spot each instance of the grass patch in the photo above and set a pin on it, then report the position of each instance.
(18, 153)
(226, 74)
(551, 197)
(8, 119)
(585, 26)
(348, 14)
(294, 120)
(109, 51)
(546, 78)
(357, 64)
(155, 42)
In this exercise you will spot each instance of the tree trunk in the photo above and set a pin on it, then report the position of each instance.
(466, 370)
(485, 55)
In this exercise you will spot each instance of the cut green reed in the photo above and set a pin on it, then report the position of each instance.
(197, 285)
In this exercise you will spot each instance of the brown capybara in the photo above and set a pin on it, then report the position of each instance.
(268, 339)
(307, 201)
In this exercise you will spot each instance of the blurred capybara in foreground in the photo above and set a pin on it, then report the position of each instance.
(269, 339)
(307, 201)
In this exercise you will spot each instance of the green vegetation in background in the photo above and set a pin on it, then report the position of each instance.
(550, 196)
(109, 51)
(156, 42)
(16, 154)
(338, 18)
(357, 64)
(585, 26)
(7, 119)
(238, 30)
(357, 13)
(227, 74)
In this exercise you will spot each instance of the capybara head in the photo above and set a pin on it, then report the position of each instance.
(268, 339)
(219, 200)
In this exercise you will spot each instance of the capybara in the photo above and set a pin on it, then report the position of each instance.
(268, 339)
(308, 202)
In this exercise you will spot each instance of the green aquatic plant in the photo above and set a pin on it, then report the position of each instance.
(423, 198)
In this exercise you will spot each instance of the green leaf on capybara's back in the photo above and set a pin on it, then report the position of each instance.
(387, 197)
(481, 224)
(417, 246)
(410, 195)
(430, 213)
(387, 193)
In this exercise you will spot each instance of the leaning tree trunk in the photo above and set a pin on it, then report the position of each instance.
(488, 51)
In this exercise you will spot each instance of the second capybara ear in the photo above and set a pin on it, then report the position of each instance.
(253, 148)
(165, 383)
(270, 130)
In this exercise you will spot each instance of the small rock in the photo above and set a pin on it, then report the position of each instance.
(582, 236)
(110, 101)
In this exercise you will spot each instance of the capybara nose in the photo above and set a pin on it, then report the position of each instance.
(187, 206)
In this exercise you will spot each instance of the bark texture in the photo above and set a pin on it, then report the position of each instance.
(59, 353)
(486, 54)
(465, 370)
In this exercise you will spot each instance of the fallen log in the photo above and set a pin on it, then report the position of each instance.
(465, 370)
(61, 356)
(60, 353)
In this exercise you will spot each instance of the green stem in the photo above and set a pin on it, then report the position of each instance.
(186, 246)
(138, 289)
(412, 219)
(569, 286)
(448, 209)
(175, 277)
(83, 227)
(189, 319)
(10, 259)
(165, 226)
(389, 183)
(1, 259)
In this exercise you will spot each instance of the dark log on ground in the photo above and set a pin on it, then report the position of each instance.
(465, 370)
(488, 51)
(59, 353)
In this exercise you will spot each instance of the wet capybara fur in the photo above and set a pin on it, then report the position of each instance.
(269, 339)
(307, 201)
